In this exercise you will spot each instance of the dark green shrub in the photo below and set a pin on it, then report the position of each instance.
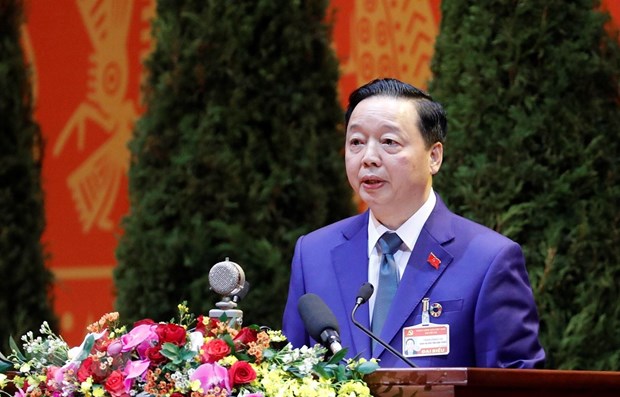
(25, 300)
(238, 153)
(533, 151)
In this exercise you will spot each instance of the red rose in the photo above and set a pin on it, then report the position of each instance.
(91, 367)
(85, 369)
(153, 354)
(146, 321)
(101, 344)
(205, 325)
(215, 350)
(245, 336)
(241, 372)
(171, 333)
(115, 384)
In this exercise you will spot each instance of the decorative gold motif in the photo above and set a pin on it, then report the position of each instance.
(392, 38)
(95, 183)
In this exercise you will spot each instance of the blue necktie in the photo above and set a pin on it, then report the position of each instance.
(389, 243)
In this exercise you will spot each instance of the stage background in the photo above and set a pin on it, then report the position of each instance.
(87, 58)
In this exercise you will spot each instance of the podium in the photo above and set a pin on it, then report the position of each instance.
(492, 382)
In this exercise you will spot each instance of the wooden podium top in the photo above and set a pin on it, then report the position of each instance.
(483, 382)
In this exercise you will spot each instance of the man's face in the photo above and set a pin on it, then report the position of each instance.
(387, 162)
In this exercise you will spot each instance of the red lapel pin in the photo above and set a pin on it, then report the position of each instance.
(433, 260)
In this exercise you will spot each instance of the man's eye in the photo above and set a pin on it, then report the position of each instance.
(355, 142)
(389, 142)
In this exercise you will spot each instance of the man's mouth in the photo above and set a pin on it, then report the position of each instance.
(371, 181)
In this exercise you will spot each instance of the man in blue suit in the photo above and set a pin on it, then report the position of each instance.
(479, 310)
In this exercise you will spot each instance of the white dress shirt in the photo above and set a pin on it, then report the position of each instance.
(408, 232)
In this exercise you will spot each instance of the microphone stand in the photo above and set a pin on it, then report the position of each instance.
(374, 337)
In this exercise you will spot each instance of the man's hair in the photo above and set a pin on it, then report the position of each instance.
(432, 123)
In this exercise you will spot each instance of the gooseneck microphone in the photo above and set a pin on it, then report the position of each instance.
(320, 321)
(365, 292)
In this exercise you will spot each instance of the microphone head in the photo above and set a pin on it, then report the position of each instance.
(316, 315)
(365, 292)
(226, 278)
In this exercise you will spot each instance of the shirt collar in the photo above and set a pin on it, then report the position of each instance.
(408, 231)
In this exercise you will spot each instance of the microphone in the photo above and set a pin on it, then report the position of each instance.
(241, 294)
(365, 292)
(320, 321)
(227, 279)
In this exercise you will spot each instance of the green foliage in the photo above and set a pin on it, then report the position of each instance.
(26, 283)
(533, 151)
(238, 154)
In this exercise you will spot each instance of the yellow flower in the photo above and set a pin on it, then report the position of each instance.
(195, 385)
(228, 361)
(276, 336)
(18, 381)
(311, 388)
(86, 385)
(353, 388)
(98, 392)
(2, 381)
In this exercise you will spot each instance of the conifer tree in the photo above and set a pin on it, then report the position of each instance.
(533, 151)
(238, 154)
(25, 300)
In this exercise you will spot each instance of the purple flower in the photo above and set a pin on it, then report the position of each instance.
(134, 369)
(211, 375)
(115, 348)
(141, 335)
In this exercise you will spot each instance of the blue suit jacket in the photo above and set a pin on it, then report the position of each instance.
(481, 283)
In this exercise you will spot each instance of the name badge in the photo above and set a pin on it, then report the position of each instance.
(426, 340)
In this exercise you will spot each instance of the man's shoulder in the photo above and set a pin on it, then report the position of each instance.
(339, 229)
(463, 227)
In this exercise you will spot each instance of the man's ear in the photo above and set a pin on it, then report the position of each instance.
(436, 157)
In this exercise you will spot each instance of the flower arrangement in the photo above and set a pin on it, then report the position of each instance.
(192, 357)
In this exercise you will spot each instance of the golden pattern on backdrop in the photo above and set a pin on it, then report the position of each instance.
(95, 183)
(392, 38)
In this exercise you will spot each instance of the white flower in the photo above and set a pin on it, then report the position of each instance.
(196, 340)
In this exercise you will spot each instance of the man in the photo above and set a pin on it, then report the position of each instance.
(460, 289)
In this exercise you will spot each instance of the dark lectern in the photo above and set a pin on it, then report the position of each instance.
(492, 382)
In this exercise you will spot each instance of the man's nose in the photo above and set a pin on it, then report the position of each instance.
(371, 155)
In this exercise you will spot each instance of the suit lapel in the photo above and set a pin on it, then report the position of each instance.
(350, 262)
(419, 275)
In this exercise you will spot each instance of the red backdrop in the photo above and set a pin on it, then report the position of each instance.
(86, 56)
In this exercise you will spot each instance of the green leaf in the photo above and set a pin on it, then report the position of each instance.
(367, 367)
(5, 366)
(170, 351)
(89, 342)
(321, 371)
(336, 358)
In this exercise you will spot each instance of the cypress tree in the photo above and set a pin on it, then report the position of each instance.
(238, 154)
(533, 151)
(26, 282)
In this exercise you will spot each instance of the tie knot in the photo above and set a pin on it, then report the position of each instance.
(389, 243)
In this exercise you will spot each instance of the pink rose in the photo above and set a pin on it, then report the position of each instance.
(115, 384)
